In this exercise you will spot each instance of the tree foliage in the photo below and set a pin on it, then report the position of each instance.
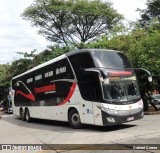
(3, 73)
(4, 82)
(49, 53)
(72, 22)
(23, 64)
(150, 13)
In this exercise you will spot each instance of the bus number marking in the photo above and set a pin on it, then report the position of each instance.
(61, 70)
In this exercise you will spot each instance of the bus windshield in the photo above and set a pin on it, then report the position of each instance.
(121, 91)
(110, 59)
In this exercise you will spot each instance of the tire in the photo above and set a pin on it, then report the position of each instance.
(74, 119)
(22, 114)
(27, 116)
(8, 112)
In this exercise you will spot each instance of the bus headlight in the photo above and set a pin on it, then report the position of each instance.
(140, 103)
(110, 111)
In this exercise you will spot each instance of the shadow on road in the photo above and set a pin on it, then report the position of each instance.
(61, 126)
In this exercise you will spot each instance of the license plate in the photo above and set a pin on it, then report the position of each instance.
(130, 118)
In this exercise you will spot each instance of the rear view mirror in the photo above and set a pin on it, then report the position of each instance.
(141, 72)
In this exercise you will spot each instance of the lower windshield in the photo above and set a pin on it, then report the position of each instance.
(121, 91)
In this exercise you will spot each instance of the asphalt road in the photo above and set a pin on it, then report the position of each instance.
(137, 136)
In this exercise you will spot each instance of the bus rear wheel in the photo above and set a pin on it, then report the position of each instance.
(22, 115)
(74, 119)
(27, 115)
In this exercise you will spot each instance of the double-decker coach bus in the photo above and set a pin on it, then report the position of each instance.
(87, 86)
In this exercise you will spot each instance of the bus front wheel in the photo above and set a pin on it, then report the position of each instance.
(74, 119)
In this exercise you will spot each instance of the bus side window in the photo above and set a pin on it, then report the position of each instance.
(88, 83)
(87, 61)
(66, 72)
(81, 61)
(90, 87)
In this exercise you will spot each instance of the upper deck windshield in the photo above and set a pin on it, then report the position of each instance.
(111, 59)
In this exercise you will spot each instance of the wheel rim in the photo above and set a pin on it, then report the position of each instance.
(22, 113)
(27, 116)
(75, 119)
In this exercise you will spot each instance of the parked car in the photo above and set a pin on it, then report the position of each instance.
(9, 110)
(156, 99)
(8, 105)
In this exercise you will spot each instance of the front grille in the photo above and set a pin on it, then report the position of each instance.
(129, 112)
(135, 111)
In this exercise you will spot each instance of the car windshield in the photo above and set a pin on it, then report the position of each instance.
(121, 91)
(111, 59)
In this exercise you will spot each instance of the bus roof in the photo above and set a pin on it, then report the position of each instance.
(61, 57)
(88, 50)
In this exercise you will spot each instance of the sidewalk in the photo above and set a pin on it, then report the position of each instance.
(0, 114)
(151, 110)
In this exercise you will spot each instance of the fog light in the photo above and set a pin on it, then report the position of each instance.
(110, 119)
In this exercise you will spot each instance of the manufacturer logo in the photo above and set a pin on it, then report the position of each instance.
(130, 106)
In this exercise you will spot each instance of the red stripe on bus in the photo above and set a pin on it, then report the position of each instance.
(69, 95)
(28, 96)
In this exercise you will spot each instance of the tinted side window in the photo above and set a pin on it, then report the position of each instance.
(63, 70)
(88, 83)
(81, 61)
(89, 87)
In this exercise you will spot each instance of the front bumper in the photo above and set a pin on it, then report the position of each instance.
(122, 117)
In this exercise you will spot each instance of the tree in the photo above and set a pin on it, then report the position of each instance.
(150, 13)
(21, 65)
(4, 83)
(71, 22)
(3, 71)
(49, 53)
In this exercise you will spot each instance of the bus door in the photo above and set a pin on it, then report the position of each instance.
(97, 113)
(87, 112)
(91, 100)
(91, 112)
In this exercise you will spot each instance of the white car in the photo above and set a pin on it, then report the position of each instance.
(156, 99)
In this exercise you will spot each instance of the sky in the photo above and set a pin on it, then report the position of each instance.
(17, 34)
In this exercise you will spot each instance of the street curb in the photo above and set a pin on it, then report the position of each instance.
(152, 113)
